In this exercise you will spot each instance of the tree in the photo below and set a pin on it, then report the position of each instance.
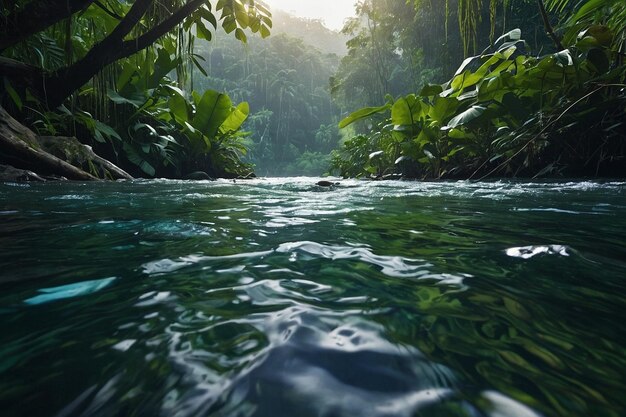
(138, 26)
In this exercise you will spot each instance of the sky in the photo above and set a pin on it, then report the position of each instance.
(332, 12)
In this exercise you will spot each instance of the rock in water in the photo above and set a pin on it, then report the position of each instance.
(326, 183)
(8, 173)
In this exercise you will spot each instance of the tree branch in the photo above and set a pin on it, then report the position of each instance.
(128, 22)
(148, 38)
(548, 26)
(57, 87)
(108, 50)
(35, 17)
(107, 11)
(12, 68)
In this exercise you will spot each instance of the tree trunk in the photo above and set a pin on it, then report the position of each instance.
(548, 26)
(80, 155)
(19, 144)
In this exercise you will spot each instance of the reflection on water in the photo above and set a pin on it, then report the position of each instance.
(281, 298)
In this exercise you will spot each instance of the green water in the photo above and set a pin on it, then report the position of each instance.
(279, 298)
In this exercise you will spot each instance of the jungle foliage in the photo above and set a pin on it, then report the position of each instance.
(118, 74)
(506, 110)
(540, 90)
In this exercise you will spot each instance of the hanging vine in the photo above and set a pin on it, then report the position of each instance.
(469, 18)
(493, 11)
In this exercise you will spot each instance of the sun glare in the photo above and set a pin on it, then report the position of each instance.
(332, 12)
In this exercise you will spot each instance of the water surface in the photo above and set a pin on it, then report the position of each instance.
(280, 298)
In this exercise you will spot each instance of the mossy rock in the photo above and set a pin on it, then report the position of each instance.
(11, 174)
(82, 156)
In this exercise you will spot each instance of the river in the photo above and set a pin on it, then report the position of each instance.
(277, 297)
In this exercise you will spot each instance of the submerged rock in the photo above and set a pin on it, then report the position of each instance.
(326, 184)
(9, 173)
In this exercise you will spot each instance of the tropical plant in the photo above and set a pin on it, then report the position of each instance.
(506, 112)
(114, 62)
(124, 30)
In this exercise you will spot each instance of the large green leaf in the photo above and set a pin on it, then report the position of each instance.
(588, 8)
(236, 118)
(442, 109)
(408, 110)
(363, 114)
(431, 90)
(211, 112)
(178, 104)
(465, 117)
(514, 35)
(137, 99)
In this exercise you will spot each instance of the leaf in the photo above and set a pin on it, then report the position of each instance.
(116, 98)
(464, 64)
(407, 111)
(108, 131)
(236, 118)
(208, 16)
(599, 60)
(431, 90)
(564, 58)
(362, 114)
(138, 160)
(229, 24)
(589, 7)
(240, 35)
(202, 31)
(179, 108)
(211, 112)
(376, 154)
(465, 117)
(14, 96)
(457, 134)
(197, 64)
(513, 35)
(152, 131)
(265, 32)
(174, 90)
(241, 15)
(147, 168)
(443, 108)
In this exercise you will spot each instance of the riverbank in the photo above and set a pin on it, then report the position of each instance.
(27, 156)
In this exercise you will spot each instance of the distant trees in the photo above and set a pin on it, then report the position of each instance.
(397, 46)
(286, 82)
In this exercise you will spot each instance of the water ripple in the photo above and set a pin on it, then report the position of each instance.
(527, 252)
(393, 266)
(312, 356)
(274, 297)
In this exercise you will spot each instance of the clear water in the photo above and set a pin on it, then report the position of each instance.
(279, 298)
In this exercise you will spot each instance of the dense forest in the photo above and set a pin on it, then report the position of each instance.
(285, 79)
(484, 88)
(199, 89)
